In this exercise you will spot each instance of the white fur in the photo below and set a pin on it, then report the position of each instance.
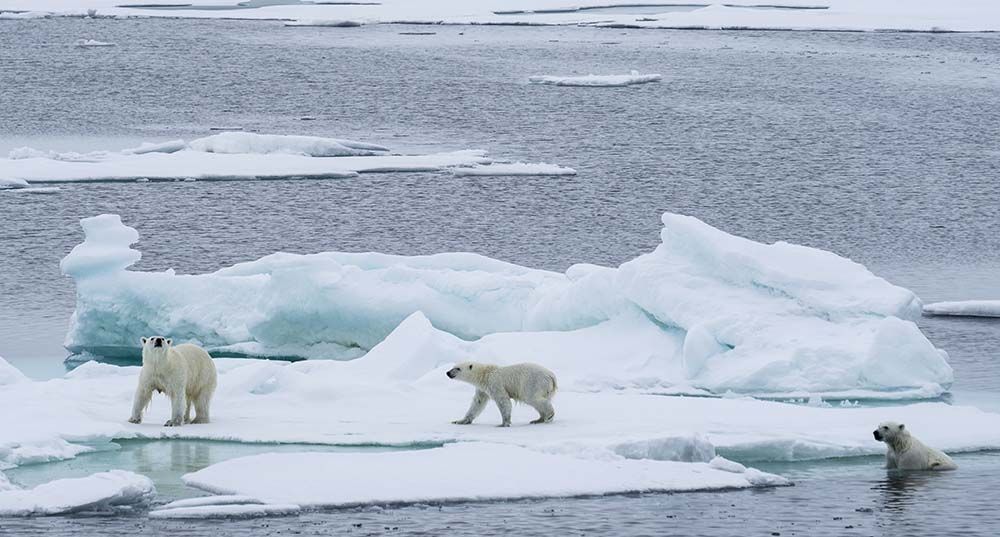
(185, 373)
(527, 383)
(907, 453)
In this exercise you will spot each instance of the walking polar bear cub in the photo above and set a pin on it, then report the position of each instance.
(185, 373)
(907, 453)
(527, 383)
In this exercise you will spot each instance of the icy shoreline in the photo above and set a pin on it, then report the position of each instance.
(829, 15)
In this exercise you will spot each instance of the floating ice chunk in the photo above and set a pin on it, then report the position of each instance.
(24, 15)
(12, 183)
(98, 491)
(333, 23)
(106, 248)
(596, 80)
(171, 146)
(514, 168)
(965, 308)
(38, 190)
(344, 479)
(10, 374)
(241, 510)
(94, 43)
(248, 142)
(223, 499)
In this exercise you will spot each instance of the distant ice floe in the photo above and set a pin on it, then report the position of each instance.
(965, 308)
(24, 15)
(94, 43)
(705, 310)
(97, 492)
(596, 80)
(331, 23)
(513, 169)
(224, 156)
(835, 15)
(226, 510)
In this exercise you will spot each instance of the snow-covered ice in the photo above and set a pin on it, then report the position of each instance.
(10, 374)
(965, 308)
(464, 471)
(906, 15)
(705, 310)
(513, 169)
(596, 80)
(98, 491)
(93, 43)
(224, 156)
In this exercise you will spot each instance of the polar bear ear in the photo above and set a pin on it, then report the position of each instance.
(170, 341)
(143, 340)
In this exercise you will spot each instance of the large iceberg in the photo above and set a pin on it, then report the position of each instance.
(704, 311)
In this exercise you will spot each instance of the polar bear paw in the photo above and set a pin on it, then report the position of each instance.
(173, 423)
(135, 419)
(463, 421)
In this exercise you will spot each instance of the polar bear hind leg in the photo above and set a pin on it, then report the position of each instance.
(545, 410)
(201, 404)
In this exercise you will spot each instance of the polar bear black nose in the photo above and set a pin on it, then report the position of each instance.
(877, 435)
(451, 373)
(157, 342)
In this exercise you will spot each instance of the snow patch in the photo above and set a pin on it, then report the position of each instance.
(265, 144)
(330, 23)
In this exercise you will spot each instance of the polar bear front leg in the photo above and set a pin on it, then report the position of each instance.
(503, 403)
(143, 394)
(475, 409)
(178, 404)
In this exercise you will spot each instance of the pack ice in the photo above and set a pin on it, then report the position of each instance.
(705, 310)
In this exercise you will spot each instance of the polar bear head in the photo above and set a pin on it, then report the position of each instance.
(890, 431)
(156, 346)
(466, 372)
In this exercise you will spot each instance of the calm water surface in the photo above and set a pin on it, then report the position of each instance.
(881, 147)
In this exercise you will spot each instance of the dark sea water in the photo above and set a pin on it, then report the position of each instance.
(881, 147)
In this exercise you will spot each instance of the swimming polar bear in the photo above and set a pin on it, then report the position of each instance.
(907, 453)
(527, 383)
(185, 373)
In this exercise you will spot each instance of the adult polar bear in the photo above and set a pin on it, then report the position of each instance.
(185, 373)
(905, 452)
(528, 383)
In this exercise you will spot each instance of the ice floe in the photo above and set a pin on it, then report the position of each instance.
(596, 80)
(99, 491)
(93, 43)
(513, 169)
(10, 374)
(224, 156)
(705, 310)
(239, 510)
(965, 308)
(442, 475)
